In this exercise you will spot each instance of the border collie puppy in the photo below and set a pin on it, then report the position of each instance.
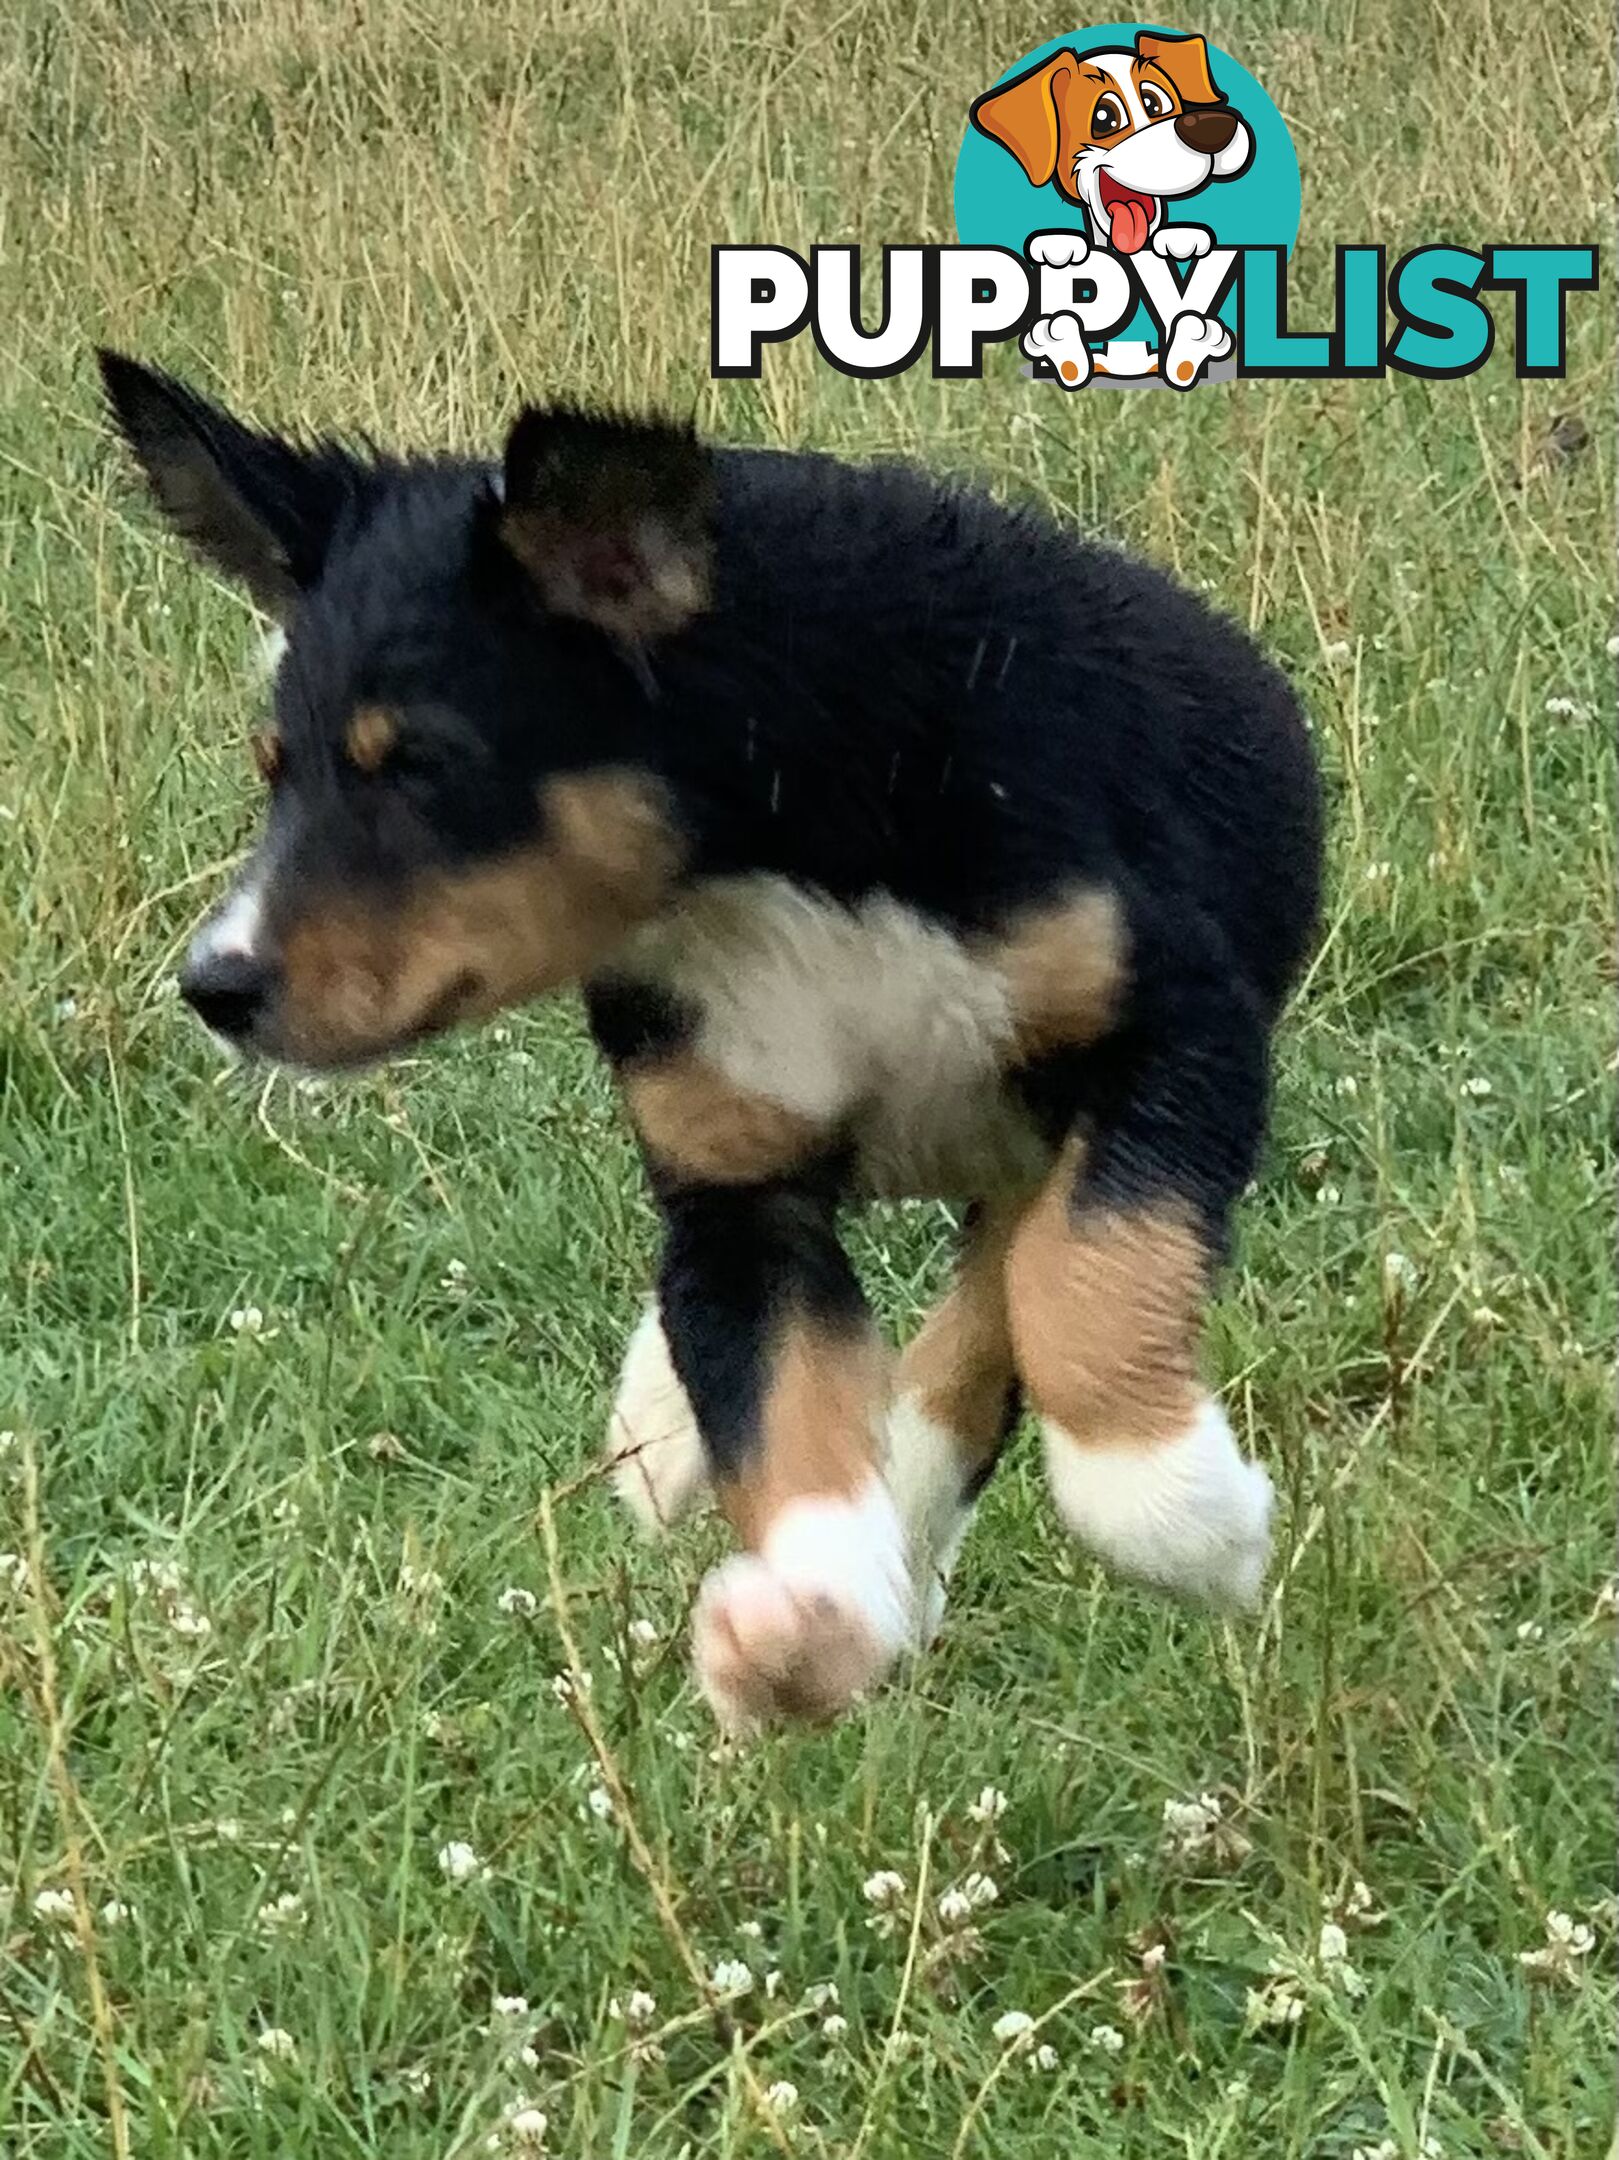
(900, 843)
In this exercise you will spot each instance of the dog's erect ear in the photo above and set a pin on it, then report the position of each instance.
(259, 508)
(611, 519)
(1024, 115)
(1185, 60)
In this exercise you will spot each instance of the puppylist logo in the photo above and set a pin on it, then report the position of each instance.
(1127, 199)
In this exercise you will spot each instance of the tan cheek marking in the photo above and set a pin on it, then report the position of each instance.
(1105, 1312)
(1065, 970)
(959, 1365)
(265, 745)
(827, 1389)
(370, 735)
(529, 922)
(701, 1126)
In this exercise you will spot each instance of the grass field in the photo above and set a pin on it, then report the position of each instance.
(293, 1379)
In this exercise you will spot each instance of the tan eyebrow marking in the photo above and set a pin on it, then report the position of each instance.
(371, 733)
(265, 745)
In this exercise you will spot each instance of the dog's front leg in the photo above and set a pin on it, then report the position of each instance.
(789, 1384)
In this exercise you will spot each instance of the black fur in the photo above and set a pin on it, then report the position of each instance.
(894, 687)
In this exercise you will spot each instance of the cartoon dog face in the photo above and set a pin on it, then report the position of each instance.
(1120, 132)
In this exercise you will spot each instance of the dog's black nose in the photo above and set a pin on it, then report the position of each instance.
(227, 991)
(1206, 131)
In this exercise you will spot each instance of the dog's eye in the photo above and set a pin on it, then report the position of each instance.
(1155, 102)
(1108, 117)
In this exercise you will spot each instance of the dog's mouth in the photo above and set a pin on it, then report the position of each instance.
(1129, 214)
(315, 1049)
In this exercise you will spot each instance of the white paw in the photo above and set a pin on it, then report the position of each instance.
(1061, 340)
(1182, 243)
(654, 1450)
(1188, 1514)
(765, 1650)
(800, 1628)
(1194, 342)
(1058, 250)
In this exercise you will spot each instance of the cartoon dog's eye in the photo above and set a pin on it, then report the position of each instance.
(1155, 103)
(1108, 117)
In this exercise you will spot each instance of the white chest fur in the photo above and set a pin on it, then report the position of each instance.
(869, 1020)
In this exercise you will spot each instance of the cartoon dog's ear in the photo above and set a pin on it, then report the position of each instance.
(610, 518)
(1185, 60)
(256, 506)
(1023, 115)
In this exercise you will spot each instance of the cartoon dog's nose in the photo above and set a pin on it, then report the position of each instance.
(227, 991)
(1206, 131)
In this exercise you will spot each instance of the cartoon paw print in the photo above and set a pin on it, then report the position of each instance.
(1195, 341)
(1061, 340)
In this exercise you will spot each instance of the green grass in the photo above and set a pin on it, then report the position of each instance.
(397, 216)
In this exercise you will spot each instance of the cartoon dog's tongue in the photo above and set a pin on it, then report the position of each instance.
(1129, 216)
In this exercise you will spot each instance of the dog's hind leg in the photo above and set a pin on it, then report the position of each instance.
(954, 1406)
(654, 1451)
(1106, 1281)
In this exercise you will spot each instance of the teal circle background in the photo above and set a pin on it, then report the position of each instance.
(996, 205)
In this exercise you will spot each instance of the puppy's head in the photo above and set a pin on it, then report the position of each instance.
(463, 806)
(1120, 132)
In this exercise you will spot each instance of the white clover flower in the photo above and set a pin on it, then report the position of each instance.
(1477, 1086)
(775, 1979)
(1566, 708)
(1278, 2002)
(1107, 2039)
(1567, 1941)
(1045, 2057)
(526, 2128)
(954, 1908)
(529, 2055)
(1336, 652)
(600, 1803)
(454, 1277)
(637, 2010)
(1400, 1276)
(281, 1915)
(884, 1889)
(751, 1930)
(823, 1995)
(979, 1890)
(247, 1320)
(1333, 1946)
(988, 1808)
(731, 1977)
(644, 1634)
(834, 2028)
(1378, 873)
(458, 1862)
(517, 1603)
(417, 2081)
(510, 2007)
(562, 1686)
(57, 1909)
(15, 1574)
(1530, 1631)
(782, 2096)
(1152, 1957)
(1012, 2026)
(115, 1912)
(277, 2043)
(1607, 1600)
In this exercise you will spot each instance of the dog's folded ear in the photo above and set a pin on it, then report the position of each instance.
(1025, 114)
(611, 519)
(1185, 60)
(259, 508)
